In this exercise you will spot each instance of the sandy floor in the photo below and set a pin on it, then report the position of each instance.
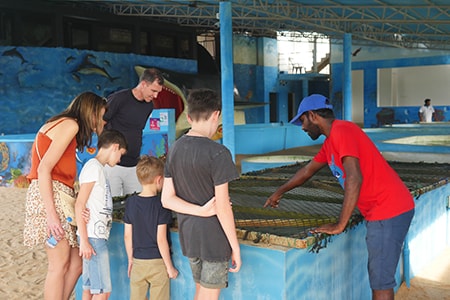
(23, 270)
(432, 283)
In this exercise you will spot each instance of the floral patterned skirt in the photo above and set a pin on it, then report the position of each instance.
(35, 229)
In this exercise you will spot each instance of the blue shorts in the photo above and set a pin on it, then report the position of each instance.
(96, 274)
(384, 241)
(210, 274)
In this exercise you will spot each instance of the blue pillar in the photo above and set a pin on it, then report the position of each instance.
(226, 58)
(282, 104)
(305, 88)
(347, 84)
(263, 92)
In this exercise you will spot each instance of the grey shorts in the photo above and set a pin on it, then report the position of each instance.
(210, 274)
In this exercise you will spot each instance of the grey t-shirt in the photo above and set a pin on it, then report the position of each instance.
(196, 165)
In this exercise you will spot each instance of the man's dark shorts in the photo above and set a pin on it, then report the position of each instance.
(384, 243)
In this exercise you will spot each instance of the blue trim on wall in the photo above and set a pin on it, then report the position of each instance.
(43, 85)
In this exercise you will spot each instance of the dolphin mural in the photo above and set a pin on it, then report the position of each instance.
(175, 91)
(14, 53)
(86, 67)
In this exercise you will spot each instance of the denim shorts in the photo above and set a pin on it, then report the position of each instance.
(384, 241)
(210, 274)
(96, 273)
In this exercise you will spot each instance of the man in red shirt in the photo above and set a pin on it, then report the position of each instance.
(369, 183)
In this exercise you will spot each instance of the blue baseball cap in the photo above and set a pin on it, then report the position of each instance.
(312, 102)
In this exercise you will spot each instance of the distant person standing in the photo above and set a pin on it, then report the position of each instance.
(128, 111)
(426, 112)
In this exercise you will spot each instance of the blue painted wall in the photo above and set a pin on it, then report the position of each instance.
(255, 73)
(299, 86)
(15, 160)
(270, 137)
(338, 271)
(37, 83)
(427, 242)
(15, 150)
(271, 273)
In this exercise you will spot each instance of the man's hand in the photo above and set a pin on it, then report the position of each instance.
(332, 228)
(273, 201)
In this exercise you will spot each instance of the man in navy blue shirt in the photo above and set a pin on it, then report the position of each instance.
(128, 111)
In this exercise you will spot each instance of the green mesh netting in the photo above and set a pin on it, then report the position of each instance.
(316, 202)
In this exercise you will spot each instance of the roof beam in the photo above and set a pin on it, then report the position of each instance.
(403, 25)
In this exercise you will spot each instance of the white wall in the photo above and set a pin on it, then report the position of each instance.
(358, 96)
(409, 86)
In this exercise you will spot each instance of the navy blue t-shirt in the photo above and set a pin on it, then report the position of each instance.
(128, 115)
(145, 214)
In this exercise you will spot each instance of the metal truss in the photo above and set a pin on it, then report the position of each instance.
(420, 24)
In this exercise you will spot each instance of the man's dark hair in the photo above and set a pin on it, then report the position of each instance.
(325, 113)
(152, 74)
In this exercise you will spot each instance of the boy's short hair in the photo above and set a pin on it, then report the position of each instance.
(202, 103)
(148, 167)
(111, 136)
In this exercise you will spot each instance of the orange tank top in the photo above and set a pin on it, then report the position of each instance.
(65, 169)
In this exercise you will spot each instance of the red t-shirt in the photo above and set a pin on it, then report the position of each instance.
(383, 194)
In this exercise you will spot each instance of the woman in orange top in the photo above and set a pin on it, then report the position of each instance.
(53, 169)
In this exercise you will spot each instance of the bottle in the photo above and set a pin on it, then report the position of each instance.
(51, 242)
